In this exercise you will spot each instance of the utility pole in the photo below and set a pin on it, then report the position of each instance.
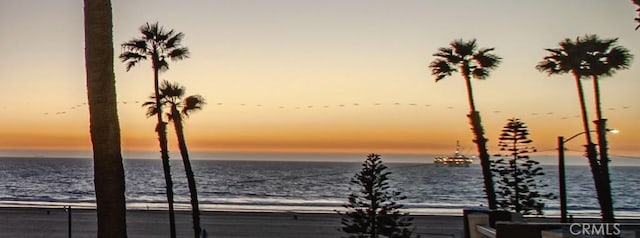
(562, 180)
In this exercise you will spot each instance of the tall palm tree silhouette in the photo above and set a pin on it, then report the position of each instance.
(103, 119)
(571, 58)
(160, 45)
(464, 56)
(172, 95)
(604, 58)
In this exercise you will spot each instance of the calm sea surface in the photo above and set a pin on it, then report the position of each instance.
(290, 186)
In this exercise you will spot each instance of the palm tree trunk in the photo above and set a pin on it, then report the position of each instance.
(583, 110)
(596, 93)
(601, 128)
(162, 138)
(480, 140)
(466, 73)
(161, 129)
(485, 163)
(592, 154)
(182, 144)
(103, 117)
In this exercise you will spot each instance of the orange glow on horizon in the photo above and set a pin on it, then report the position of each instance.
(409, 140)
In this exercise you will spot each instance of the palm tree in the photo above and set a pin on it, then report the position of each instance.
(464, 56)
(103, 119)
(571, 58)
(172, 95)
(637, 3)
(604, 58)
(160, 45)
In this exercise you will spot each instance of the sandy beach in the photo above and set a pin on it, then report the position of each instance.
(52, 222)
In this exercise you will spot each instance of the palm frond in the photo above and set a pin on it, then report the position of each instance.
(131, 56)
(568, 57)
(567, 44)
(637, 18)
(441, 68)
(549, 66)
(135, 51)
(464, 49)
(162, 36)
(149, 30)
(192, 103)
(586, 57)
(447, 53)
(152, 109)
(163, 65)
(178, 54)
(476, 63)
(174, 41)
(155, 40)
(487, 60)
(171, 91)
(132, 64)
(637, 2)
(165, 36)
(148, 103)
(602, 57)
(555, 51)
(619, 58)
(157, 30)
(135, 45)
(480, 73)
(591, 43)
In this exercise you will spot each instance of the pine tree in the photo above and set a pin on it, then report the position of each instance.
(516, 172)
(373, 209)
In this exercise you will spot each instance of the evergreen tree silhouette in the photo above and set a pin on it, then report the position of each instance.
(373, 209)
(516, 172)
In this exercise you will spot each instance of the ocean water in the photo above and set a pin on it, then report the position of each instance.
(291, 186)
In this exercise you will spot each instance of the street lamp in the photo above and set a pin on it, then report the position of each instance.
(561, 171)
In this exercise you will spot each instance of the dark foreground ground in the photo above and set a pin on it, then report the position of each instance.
(53, 222)
(40, 222)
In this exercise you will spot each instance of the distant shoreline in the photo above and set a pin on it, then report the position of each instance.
(337, 158)
(426, 158)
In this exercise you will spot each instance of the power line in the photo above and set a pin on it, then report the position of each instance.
(69, 109)
(626, 156)
(545, 150)
(614, 155)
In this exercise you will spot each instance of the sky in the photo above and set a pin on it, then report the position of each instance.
(317, 76)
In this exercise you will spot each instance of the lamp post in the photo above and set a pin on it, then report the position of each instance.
(561, 172)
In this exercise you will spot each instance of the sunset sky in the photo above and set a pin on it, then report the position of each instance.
(316, 76)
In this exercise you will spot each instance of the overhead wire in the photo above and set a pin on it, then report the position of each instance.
(322, 106)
